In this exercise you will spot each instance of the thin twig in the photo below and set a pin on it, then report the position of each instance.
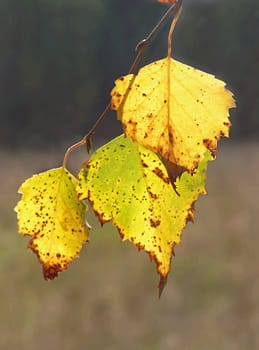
(143, 44)
(140, 48)
(177, 13)
(87, 136)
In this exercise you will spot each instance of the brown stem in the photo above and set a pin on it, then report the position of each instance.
(71, 149)
(143, 44)
(140, 48)
(178, 10)
(87, 137)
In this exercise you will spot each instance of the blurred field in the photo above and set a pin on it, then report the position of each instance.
(108, 298)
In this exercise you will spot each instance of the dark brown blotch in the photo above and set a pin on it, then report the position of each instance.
(154, 223)
(160, 174)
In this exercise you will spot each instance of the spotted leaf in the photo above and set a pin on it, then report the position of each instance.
(174, 110)
(51, 214)
(129, 185)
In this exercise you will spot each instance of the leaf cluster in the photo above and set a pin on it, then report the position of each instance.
(145, 181)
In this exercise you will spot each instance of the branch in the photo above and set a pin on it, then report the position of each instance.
(140, 49)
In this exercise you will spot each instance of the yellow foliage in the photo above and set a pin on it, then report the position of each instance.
(51, 214)
(129, 185)
(146, 183)
(174, 110)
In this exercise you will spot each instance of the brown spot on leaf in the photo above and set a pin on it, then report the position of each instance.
(227, 124)
(153, 195)
(154, 223)
(144, 164)
(132, 127)
(210, 145)
(50, 272)
(190, 216)
(170, 136)
(160, 174)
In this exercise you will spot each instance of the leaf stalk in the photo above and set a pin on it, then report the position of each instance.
(141, 47)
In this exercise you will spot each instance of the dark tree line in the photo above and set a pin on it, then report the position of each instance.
(59, 59)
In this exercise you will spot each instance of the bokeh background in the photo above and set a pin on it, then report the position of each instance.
(58, 61)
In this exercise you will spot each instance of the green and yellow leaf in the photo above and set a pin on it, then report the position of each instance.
(129, 185)
(174, 110)
(51, 214)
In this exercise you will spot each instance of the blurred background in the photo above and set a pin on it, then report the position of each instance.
(58, 61)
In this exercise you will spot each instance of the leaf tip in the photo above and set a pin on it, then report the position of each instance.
(51, 272)
(161, 285)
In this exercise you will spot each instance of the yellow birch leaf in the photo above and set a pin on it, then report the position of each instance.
(174, 110)
(129, 185)
(52, 215)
